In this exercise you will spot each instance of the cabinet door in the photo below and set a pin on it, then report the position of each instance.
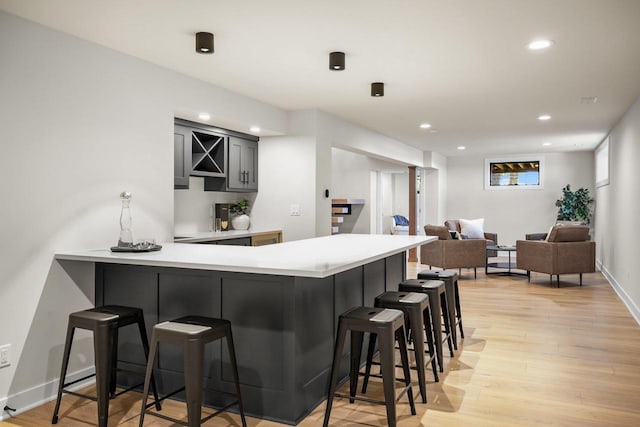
(235, 175)
(181, 157)
(251, 165)
(242, 164)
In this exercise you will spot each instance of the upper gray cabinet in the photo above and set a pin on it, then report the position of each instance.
(228, 160)
(243, 165)
(181, 156)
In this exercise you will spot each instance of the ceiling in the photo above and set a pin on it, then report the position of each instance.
(460, 65)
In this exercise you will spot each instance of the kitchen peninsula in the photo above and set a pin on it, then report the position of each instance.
(283, 301)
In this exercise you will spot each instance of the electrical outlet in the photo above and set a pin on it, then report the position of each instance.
(4, 355)
(295, 210)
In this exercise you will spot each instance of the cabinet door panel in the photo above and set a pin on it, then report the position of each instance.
(251, 165)
(235, 175)
(181, 157)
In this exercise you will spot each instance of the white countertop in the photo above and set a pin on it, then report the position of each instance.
(317, 257)
(208, 236)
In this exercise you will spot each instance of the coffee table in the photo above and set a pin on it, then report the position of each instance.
(506, 268)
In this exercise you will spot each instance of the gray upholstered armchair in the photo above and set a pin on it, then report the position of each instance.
(447, 252)
(568, 249)
(491, 238)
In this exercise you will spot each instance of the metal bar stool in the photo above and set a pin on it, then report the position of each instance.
(388, 325)
(417, 315)
(192, 333)
(436, 291)
(104, 322)
(450, 279)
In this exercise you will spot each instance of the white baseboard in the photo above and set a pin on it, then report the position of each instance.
(36, 396)
(631, 306)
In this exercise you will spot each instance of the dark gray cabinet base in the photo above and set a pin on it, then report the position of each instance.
(284, 327)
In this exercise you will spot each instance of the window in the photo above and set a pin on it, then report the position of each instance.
(518, 172)
(602, 163)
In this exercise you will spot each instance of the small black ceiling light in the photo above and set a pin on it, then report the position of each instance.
(336, 61)
(377, 89)
(204, 42)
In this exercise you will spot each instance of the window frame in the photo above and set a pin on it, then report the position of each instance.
(506, 159)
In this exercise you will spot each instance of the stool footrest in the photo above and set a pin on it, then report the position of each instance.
(128, 389)
(77, 381)
(86, 396)
(203, 420)
(366, 399)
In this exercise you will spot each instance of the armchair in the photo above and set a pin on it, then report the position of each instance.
(568, 249)
(449, 253)
(491, 238)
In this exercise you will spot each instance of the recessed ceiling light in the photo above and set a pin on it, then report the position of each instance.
(204, 42)
(540, 44)
(336, 61)
(425, 126)
(204, 116)
(462, 147)
(255, 129)
(433, 130)
(544, 117)
(546, 144)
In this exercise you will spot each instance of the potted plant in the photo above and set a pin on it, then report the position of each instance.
(240, 219)
(575, 206)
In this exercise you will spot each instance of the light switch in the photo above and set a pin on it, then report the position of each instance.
(295, 210)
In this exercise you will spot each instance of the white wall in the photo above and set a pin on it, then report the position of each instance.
(618, 209)
(80, 123)
(287, 176)
(513, 213)
(351, 179)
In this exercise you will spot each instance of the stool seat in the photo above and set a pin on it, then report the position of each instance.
(191, 333)
(388, 325)
(104, 322)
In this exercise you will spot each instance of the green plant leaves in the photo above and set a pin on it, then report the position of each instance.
(575, 206)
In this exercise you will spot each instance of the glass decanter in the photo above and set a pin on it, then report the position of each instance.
(126, 238)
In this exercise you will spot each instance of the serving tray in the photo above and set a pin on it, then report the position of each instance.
(134, 249)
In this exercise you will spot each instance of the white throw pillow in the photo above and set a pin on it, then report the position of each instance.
(472, 228)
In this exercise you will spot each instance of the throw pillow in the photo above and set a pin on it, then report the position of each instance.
(472, 228)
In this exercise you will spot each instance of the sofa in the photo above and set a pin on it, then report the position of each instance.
(447, 253)
(566, 249)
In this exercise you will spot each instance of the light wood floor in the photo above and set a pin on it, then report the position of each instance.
(533, 355)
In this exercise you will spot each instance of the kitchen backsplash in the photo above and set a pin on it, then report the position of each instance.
(191, 208)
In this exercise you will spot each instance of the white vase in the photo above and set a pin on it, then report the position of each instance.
(240, 222)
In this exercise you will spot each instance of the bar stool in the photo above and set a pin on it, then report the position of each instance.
(450, 279)
(388, 324)
(104, 322)
(192, 333)
(417, 315)
(436, 291)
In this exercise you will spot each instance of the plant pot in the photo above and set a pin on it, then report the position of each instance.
(240, 222)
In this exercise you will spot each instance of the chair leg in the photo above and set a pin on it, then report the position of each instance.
(234, 367)
(102, 339)
(145, 346)
(63, 371)
(335, 371)
(426, 317)
(436, 321)
(114, 364)
(458, 310)
(417, 329)
(558, 279)
(447, 323)
(580, 279)
(148, 375)
(193, 373)
(367, 369)
(475, 273)
(354, 368)
(401, 336)
(387, 366)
